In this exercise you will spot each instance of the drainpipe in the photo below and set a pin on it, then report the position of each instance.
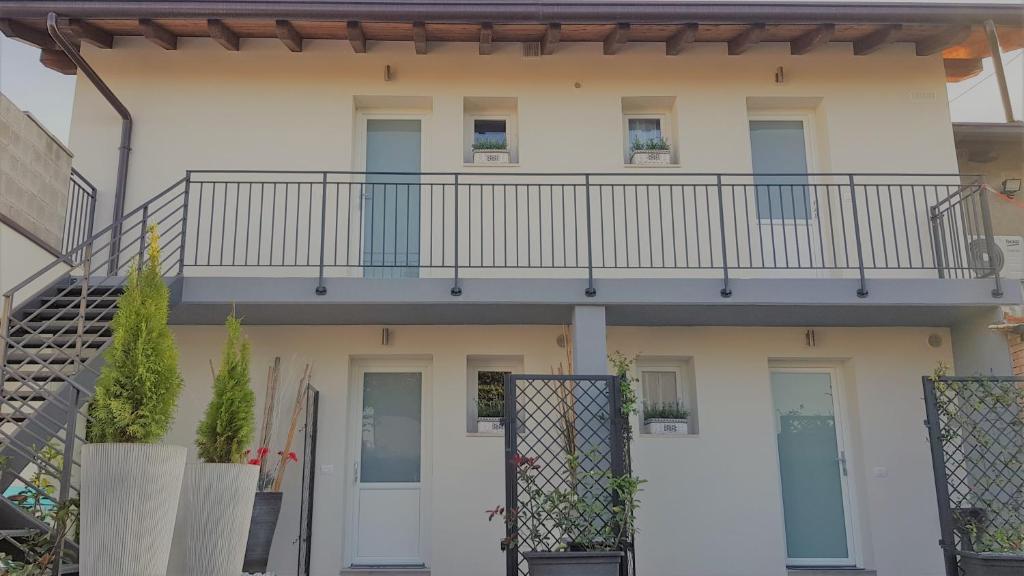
(997, 63)
(124, 149)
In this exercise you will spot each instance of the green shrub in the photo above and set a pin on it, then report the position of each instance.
(490, 144)
(649, 144)
(226, 430)
(137, 391)
(665, 411)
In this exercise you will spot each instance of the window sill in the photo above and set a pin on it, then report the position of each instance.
(484, 435)
(652, 166)
(490, 166)
(644, 435)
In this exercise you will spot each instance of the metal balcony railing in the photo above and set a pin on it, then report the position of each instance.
(80, 212)
(604, 225)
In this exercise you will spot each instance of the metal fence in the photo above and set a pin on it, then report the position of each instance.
(79, 214)
(571, 225)
(976, 431)
(310, 433)
(563, 435)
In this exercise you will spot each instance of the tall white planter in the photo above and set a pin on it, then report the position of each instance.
(129, 503)
(216, 508)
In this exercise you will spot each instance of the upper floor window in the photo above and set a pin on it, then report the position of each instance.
(490, 132)
(643, 130)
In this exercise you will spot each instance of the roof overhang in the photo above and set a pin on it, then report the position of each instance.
(953, 29)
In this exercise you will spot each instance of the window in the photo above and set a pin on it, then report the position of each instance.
(667, 384)
(779, 147)
(644, 130)
(490, 132)
(485, 390)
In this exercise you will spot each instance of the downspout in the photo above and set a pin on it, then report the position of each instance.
(997, 64)
(124, 149)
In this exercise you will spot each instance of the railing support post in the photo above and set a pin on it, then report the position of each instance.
(591, 291)
(142, 237)
(456, 289)
(184, 224)
(321, 289)
(986, 222)
(5, 326)
(940, 249)
(862, 292)
(726, 290)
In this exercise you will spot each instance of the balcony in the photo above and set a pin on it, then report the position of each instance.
(588, 226)
(913, 245)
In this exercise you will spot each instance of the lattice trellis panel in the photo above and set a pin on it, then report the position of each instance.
(976, 429)
(563, 434)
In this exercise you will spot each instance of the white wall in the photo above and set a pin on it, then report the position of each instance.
(712, 506)
(21, 258)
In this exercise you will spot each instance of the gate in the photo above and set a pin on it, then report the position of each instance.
(976, 432)
(565, 435)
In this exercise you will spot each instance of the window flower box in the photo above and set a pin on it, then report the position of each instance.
(490, 425)
(665, 426)
(491, 157)
(651, 157)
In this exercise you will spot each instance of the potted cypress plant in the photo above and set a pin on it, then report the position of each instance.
(130, 484)
(666, 418)
(218, 492)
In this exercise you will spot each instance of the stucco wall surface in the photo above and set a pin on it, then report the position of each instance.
(712, 505)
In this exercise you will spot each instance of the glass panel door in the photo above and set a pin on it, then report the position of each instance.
(812, 462)
(391, 210)
(389, 470)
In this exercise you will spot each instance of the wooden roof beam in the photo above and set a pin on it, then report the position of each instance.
(812, 39)
(86, 32)
(876, 40)
(549, 43)
(288, 35)
(19, 31)
(356, 37)
(419, 37)
(744, 40)
(158, 35)
(940, 41)
(57, 61)
(486, 38)
(223, 35)
(686, 34)
(616, 39)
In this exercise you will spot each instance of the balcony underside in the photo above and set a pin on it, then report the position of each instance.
(647, 302)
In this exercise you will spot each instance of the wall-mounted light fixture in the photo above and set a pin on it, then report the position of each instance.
(1011, 187)
(780, 75)
(385, 336)
(811, 338)
(387, 73)
(935, 340)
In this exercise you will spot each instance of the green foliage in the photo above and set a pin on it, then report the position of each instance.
(640, 145)
(622, 366)
(490, 144)
(137, 391)
(38, 552)
(225, 432)
(490, 401)
(665, 411)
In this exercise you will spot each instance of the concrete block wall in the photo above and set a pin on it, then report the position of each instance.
(34, 172)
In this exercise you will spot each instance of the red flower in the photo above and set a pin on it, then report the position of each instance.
(254, 461)
(263, 451)
(293, 457)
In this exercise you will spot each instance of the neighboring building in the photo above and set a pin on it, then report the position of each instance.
(804, 244)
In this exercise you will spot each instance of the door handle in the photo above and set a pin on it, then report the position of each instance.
(355, 472)
(842, 463)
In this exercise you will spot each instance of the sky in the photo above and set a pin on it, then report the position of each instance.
(48, 95)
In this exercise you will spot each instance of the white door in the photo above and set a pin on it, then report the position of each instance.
(787, 234)
(388, 471)
(813, 467)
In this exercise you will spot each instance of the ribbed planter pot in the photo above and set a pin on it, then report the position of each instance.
(266, 509)
(129, 504)
(991, 564)
(604, 563)
(216, 509)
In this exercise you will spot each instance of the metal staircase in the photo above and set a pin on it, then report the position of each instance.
(54, 328)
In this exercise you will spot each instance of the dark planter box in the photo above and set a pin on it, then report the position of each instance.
(574, 563)
(991, 564)
(265, 511)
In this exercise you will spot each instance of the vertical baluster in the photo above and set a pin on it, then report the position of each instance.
(320, 288)
(590, 291)
(726, 290)
(184, 225)
(863, 290)
(986, 221)
(456, 289)
(142, 235)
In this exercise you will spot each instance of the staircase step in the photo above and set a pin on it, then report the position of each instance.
(42, 314)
